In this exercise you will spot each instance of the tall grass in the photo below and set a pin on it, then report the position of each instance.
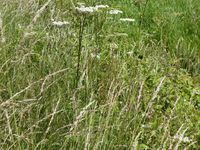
(99, 83)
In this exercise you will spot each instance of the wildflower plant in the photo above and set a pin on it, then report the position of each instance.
(84, 13)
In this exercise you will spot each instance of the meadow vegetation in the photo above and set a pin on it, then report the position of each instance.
(76, 76)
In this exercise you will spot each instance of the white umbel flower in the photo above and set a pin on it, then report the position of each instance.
(101, 6)
(60, 23)
(127, 19)
(86, 10)
(115, 12)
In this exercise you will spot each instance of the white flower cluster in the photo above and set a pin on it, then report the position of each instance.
(127, 20)
(87, 10)
(101, 6)
(115, 12)
(60, 23)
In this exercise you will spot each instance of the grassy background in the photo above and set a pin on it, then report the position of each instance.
(139, 84)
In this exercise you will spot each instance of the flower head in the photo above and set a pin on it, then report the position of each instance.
(60, 23)
(101, 6)
(86, 10)
(115, 12)
(127, 20)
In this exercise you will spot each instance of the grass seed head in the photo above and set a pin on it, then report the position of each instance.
(1, 23)
(1, 30)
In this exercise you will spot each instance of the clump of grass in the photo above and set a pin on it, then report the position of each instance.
(99, 80)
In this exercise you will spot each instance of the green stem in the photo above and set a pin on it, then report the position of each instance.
(81, 29)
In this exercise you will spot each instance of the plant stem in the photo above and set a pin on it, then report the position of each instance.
(81, 29)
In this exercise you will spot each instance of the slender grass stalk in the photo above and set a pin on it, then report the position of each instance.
(111, 99)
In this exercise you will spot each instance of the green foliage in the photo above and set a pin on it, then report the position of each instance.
(138, 85)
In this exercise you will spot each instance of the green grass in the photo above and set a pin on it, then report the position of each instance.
(137, 85)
